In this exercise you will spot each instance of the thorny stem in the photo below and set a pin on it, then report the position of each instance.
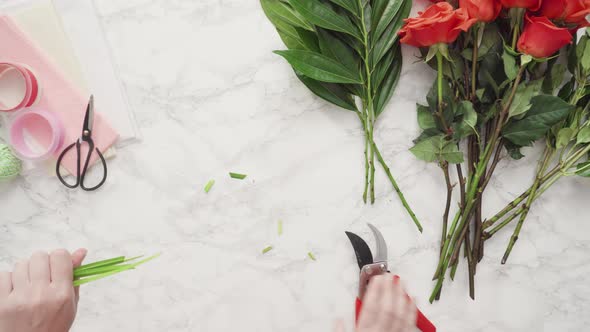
(546, 182)
(526, 207)
(445, 169)
(462, 217)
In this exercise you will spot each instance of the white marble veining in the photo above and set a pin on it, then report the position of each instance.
(210, 97)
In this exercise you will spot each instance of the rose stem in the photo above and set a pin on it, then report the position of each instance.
(526, 207)
(473, 186)
(445, 168)
(552, 177)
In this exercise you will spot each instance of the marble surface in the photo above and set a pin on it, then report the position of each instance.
(210, 97)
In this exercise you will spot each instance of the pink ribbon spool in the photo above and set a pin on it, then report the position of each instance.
(42, 123)
(12, 74)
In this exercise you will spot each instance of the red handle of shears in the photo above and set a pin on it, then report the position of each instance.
(422, 323)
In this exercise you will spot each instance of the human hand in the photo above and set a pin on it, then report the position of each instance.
(38, 296)
(386, 308)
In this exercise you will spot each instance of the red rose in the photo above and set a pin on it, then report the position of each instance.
(533, 5)
(541, 38)
(568, 11)
(482, 10)
(439, 23)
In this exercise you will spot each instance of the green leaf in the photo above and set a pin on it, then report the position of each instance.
(209, 185)
(583, 169)
(437, 149)
(337, 49)
(564, 136)
(425, 117)
(308, 39)
(330, 92)
(387, 15)
(545, 112)
(585, 61)
(522, 99)
(280, 228)
(311, 256)
(553, 78)
(510, 67)
(279, 10)
(513, 151)
(267, 249)
(583, 136)
(468, 120)
(387, 88)
(350, 5)
(324, 16)
(390, 36)
(237, 176)
(382, 68)
(319, 67)
(291, 39)
(491, 41)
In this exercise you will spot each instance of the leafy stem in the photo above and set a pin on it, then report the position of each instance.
(368, 104)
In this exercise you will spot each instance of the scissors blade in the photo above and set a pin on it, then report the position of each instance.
(89, 117)
(381, 252)
(361, 250)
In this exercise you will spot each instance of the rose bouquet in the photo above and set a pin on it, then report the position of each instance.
(509, 73)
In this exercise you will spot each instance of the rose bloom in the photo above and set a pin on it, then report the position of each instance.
(541, 38)
(482, 10)
(568, 11)
(439, 23)
(533, 5)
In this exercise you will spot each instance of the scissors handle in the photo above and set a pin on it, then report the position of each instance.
(422, 323)
(58, 165)
(104, 167)
(81, 174)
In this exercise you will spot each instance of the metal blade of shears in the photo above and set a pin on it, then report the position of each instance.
(381, 252)
(361, 250)
(89, 117)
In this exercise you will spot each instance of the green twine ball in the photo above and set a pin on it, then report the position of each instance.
(10, 165)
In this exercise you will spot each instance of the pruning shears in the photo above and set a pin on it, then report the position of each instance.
(376, 265)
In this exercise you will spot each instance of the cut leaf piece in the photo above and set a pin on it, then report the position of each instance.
(209, 185)
(319, 67)
(237, 176)
(267, 249)
(280, 227)
(311, 256)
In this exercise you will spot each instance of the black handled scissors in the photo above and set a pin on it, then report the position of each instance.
(86, 137)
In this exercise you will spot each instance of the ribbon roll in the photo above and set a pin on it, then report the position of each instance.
(44, 124)
(19, 87)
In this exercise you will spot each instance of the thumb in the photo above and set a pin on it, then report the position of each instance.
(339, 326)
(77, 258)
